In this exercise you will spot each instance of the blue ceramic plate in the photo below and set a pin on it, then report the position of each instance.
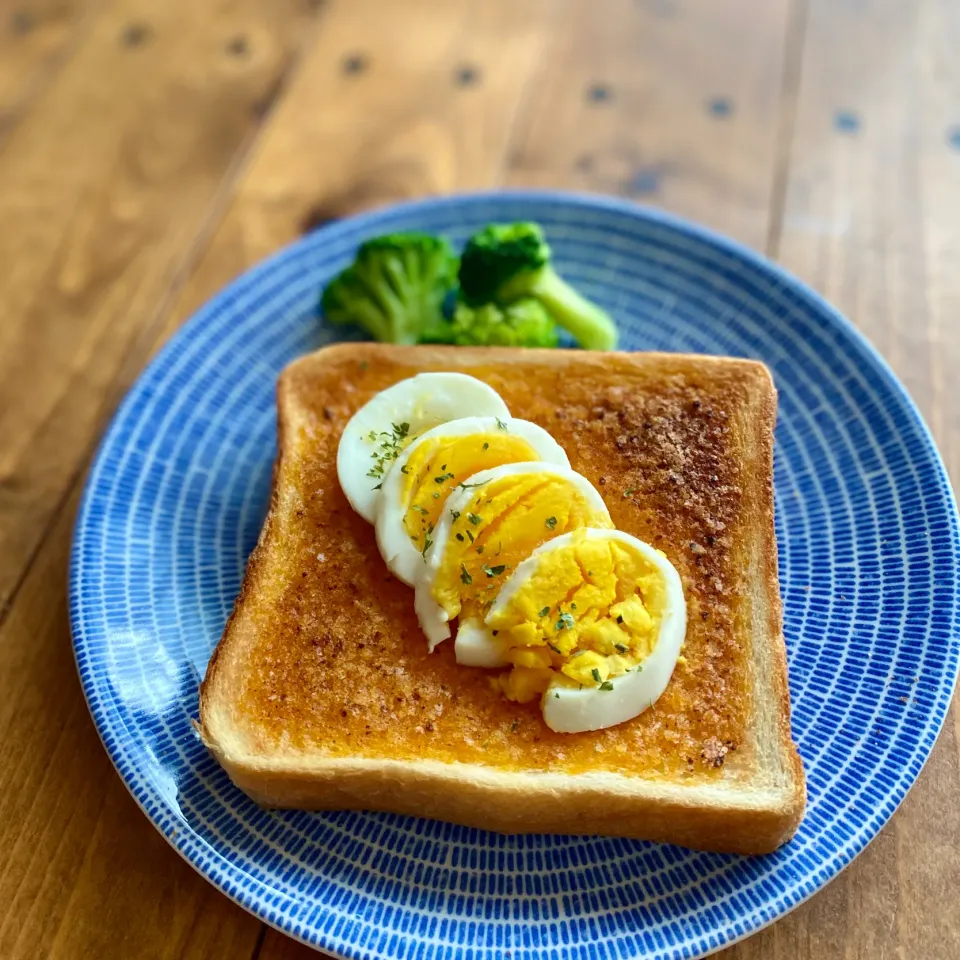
(869, 572)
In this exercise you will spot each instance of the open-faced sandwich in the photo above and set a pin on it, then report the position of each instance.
(524, 590)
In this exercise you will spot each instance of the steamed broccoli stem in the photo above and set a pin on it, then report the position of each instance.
(506, 261)
(590, 326)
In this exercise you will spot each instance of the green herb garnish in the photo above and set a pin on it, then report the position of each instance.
(551, 523)
(494, 571)
(621, 648)
(595, 673)
(390, 447)
(500, 424)
(475, 519)
(460, 537)
(565, 622)
(464, 576)
(544, 611)
(455, 514)
(606, 685)
(443, 478)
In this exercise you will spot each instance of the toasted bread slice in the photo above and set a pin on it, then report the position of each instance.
(322, 695)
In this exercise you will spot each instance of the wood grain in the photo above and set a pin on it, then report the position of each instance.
(35, 39)
(419, 98)
(153, 151)
(276, 946)
(102, 219)
(676, 105)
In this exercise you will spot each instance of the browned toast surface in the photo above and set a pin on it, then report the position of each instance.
(324, 654)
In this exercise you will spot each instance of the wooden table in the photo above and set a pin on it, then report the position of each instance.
(151, 151)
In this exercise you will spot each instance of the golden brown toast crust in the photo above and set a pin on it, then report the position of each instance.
(324, 657)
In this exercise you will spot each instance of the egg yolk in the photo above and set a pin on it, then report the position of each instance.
(589, 612)
(437, 467)
(506, 520)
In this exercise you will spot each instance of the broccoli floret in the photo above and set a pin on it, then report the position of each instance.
(395, 288)
(524, 323)
(504, 262)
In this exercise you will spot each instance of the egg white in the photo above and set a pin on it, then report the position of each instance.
(572, 710)
(398, 551)
(423, 402)
(475, 644)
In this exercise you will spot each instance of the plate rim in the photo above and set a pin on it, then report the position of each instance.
(577, 199)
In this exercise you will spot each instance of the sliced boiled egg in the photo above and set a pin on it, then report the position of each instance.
(592, 622)
(487, 529)
(379, 431)
(443, 460)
